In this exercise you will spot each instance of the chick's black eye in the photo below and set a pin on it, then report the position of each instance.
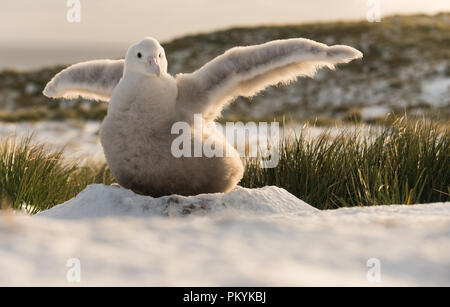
(139, 55)
(160, 54)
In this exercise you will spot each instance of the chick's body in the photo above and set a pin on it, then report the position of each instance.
(137, 142)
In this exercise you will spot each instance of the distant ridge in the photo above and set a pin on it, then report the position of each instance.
(406, 67)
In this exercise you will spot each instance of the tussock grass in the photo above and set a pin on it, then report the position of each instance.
(33, 178)
(403, 162)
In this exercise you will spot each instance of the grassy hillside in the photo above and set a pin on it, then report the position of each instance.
(406, 67)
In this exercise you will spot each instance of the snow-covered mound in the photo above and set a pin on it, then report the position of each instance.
(98, 200)
(248, 237)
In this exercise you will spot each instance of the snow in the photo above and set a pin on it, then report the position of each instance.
(436, 91)
(98, 200)
(252, 237)
(80, 140)
(374, 112)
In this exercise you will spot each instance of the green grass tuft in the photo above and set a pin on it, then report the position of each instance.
(406, 163)
(33, 178)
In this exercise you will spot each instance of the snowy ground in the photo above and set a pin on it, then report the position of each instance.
(79, 139)
(246, 237)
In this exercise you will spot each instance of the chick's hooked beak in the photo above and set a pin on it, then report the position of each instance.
(153, 61)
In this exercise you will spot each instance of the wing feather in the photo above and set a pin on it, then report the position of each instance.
(92, 80)
(245, 71)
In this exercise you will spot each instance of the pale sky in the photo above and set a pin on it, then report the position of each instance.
(33, 22)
